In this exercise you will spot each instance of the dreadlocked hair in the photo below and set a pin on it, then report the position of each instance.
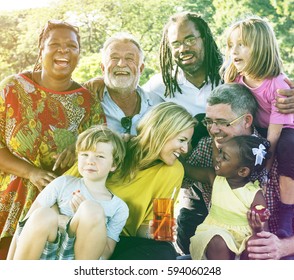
(212, 55)
(51, 25)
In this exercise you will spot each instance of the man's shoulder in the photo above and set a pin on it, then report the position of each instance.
(154, 84)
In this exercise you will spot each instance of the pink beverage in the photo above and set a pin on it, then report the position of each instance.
(163, 214)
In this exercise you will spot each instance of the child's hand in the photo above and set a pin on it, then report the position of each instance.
(76, 200)
(256, 220)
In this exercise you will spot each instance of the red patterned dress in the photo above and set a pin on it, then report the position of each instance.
(35, 124)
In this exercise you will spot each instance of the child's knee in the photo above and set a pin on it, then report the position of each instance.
(44, 218)
(217, 244)
(91, 212)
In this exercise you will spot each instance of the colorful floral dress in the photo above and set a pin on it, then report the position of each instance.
(35, 124)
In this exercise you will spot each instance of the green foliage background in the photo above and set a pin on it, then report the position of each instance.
(99, 19)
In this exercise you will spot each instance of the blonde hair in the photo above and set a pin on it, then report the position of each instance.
(89, 138)
(265, 60)
(162, 123)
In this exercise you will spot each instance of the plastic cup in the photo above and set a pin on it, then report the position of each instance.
(163, 214)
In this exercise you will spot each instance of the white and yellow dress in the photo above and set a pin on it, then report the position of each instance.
(227, 218)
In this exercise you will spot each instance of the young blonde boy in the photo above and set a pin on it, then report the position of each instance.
(96, 216)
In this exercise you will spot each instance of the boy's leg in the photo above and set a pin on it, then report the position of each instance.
(40, 227)
(89, 224)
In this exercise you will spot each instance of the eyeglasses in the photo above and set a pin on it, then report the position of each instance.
(189, 42)
(126, 123)
(220, 123)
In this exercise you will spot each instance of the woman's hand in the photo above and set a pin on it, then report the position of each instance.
(65, 159)
(151, 230)
(40, 178)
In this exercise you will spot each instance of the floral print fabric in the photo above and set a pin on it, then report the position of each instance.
(36, 124)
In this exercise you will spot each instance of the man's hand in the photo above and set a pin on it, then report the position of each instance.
(96, 85)
(266, 246)
(285, 104)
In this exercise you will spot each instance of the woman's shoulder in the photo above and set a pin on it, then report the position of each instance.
(12, 80)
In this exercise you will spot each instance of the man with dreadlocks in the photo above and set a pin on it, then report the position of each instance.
(189, 62)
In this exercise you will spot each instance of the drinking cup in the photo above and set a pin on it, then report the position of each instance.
(163, 214)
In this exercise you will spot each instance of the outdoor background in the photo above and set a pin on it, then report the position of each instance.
(99, 19)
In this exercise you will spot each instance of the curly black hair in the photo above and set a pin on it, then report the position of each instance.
(246, 144)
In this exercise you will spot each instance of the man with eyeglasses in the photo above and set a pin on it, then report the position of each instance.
(230, 112)
(189, 61)
(123, 100)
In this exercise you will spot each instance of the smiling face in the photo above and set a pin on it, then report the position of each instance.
(221, 134)
(188, 58)
(176, 146)
(239, 53)
(228, 161)
(122, 66)
(96, 165)
(60, 53)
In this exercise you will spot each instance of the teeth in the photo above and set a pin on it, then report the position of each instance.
(121, 73)
(186, 57)
(61, 60)
(176, 154)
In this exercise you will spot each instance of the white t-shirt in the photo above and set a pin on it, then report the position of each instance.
(192, 98)
(61, 190)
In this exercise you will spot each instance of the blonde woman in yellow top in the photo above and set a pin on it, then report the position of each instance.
(151, 170)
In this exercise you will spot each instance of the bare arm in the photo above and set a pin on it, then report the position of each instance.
(273, 135)
(285, 104)
(201, 174)
(254, 220)
(16, 166)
